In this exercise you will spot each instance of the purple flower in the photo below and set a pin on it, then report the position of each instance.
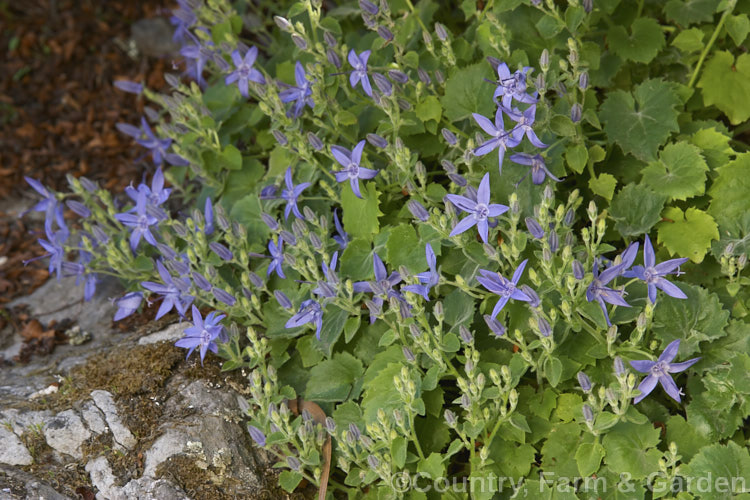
(48, 205)
(479, 211)
(512, 86)
(222, 251)
(174, 292)
(301, 94)
(257, 435)
(341, 238)
(156, 194)
(428, 279)
(328, 287)
(245, 72)
(78, 269)
(128, 86)
(534, 228)
(291, 193)
(505, 288)
(309, 312)
(653, 274)
(598, 290)
(208, 215)
(183, 18)
(197, 55)
(277, 258)
(127, 305)
(140, 222)
(359, 74)
(501, 140)
(494, 325)
(538, 168)
(524, 121)
(54, 245)
(203, 334)
(157, 146)
(660, 370)
(351, 160)
(382, 286)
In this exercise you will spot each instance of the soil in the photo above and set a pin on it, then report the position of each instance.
(58, 110)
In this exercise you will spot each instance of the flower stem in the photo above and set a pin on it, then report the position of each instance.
(710, 43)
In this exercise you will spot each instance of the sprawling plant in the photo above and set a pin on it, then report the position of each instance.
(422, 231)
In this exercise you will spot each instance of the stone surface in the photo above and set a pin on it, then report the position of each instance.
(93, 418)
(12, 450)
(106, 404)
(66, 433)
(153, 37)
(169, 334)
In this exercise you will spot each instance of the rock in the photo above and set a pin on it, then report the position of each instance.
(94, 418)
(146, 487)
(22, 421)
(172, 442)
(21, 481)
(12, 451)
(66, 433)
(103, 479)
(153, 37)
(169, 334)
(106, 404)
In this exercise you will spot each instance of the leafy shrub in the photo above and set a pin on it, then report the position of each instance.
(417, 302)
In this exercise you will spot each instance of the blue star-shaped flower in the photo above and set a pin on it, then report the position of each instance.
(506, 288)
(479, 211)
(300, 95)
(310, 311)
(428, 279)
(501, 140)
(659, 371)
(653, 274)
(203, 334)
(291, 193)
(244, 72)
(598, 289)
(359, 74)
(352, 171)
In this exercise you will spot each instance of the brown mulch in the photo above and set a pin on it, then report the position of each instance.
(58, 109)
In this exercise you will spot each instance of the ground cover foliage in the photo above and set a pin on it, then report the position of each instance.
(452, 242)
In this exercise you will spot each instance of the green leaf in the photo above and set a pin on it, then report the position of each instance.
(466, 92)
(512, 460)
(686, 436)
(356, 261)
(553, 371)
(333, 325)
(278, 162)
(380, 393)
(346, 118)
(636, 209)
(289, 479)
(247, 212)
(688, 234)
(361, 215)
(588, 458)
(714, 146)
(549, 26)
(630, 449)
(687, 12)
(729, 461)
(738, 26)
(729, 199)
(680, 172)
(432, 466)
(698, 318)
(604, 185)
(308, 351)
(459, 308)
(558, 451)
(568, 406)
(577, 156)
(404, 249)
(689, 41)
(726, 84)
(333, 379)
(643, 43)
(643, 121)
(398, 451)
(429, 109)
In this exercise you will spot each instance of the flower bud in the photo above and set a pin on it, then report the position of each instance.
(330, 39)
(583, 81)
(584, 382)
(398, 76)
(315, 141)
(385, 33)
(368, 7)
(376, 140)
(619, 366)
(333, 58)
(465, 335)
(575, 113)
(588, 413)
(534, 228)
(449, 137)
(494, 325)
(544, 60)
(300, 42)
(441, 32)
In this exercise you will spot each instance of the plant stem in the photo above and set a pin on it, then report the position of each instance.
(710, 43)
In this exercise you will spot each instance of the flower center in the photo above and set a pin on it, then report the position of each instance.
(205, 337)
(244, 70)
(352, 170)
(650, 275)
(660, 368)
(481, 211)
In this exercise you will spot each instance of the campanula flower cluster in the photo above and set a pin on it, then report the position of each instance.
(315, 208)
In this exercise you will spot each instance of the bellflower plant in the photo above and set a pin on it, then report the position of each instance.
(455, 357)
